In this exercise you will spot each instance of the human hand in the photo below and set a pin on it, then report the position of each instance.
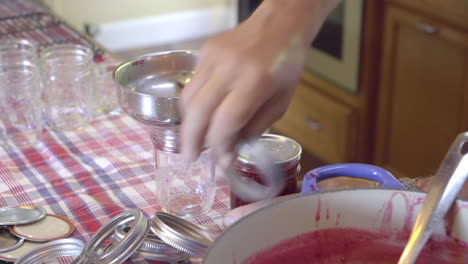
(424, 184)
(346, 183)
(245, 77)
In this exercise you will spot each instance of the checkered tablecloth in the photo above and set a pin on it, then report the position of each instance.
(27, 19)
(91, 175)
(88, 175)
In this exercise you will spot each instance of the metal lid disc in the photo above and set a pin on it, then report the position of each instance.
(68, 248)
(280, 148)
(8, 241)
(181, 234)
(254, 152)
(153, 248)
(20, 251)
(51, 227)
(21, 214)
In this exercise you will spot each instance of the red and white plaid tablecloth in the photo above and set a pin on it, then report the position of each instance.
(88, 175)
(91, 175)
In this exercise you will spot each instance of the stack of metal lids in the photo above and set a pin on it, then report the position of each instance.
(165, 238)
(25, 227)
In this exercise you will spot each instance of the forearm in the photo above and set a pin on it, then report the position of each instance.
(295, 18)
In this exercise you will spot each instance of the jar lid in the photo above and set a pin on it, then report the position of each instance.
(260, 153)
(15, 254)
(153, 247)
(21, 214)
(54, 250)
(122, 250)
(280, 148)
(51, 227)
(8, 241)
(181, 234)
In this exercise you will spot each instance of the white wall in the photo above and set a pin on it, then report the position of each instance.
(78, 12)
(128, 24)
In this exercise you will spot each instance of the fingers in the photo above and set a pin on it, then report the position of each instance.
(424, 184)
(270, 112)
(248, 94)
(201, 75)
(226, 160)
(244, 107)
(233, 94)
(220, 107)
(202, 102)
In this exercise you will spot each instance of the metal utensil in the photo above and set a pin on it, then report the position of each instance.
(447, 183)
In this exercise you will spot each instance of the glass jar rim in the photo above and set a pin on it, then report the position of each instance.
(60, 52)
(18, 50)
(27, 67)
(21, 43)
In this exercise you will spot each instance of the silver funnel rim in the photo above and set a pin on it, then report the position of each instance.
(139, 59)
(149, 86)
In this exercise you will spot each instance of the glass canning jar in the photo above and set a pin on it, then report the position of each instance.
(67, 75)
(20, 93)
(184, 188)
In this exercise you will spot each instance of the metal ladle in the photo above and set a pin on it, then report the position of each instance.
(445, 187)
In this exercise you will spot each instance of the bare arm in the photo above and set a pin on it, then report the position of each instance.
(245, 77)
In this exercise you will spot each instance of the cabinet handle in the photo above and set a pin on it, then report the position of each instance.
(312, 124)
(427, 28)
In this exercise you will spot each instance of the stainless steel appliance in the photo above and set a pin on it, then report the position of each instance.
(335, 52)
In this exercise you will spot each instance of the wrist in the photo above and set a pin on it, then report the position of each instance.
(304, 17)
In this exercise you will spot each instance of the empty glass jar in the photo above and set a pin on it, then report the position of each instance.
(105, 90)
(20, 89)
(67, 73)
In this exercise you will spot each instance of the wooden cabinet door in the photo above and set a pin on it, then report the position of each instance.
(454, 11)
(322, 125)
(423, 98)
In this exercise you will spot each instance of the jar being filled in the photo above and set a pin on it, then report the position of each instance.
(284, 151)
(184, 188)
(148, 91)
